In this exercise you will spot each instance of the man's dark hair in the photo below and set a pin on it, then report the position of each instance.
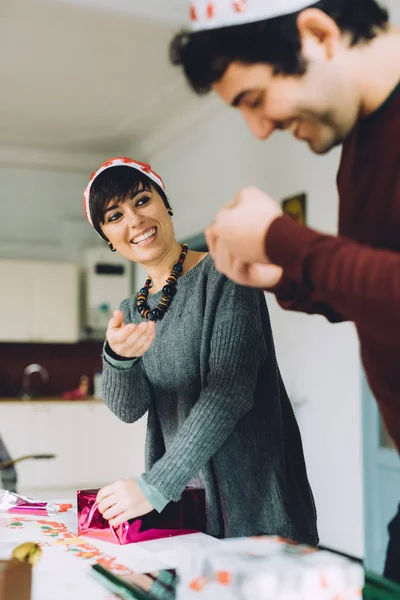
(119, 184)
(205, 55)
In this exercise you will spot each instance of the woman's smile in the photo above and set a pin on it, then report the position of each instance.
(145, 238)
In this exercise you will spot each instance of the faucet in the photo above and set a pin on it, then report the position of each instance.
(33, 368)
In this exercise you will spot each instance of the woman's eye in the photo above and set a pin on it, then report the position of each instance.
(143, 200)
(113, 217)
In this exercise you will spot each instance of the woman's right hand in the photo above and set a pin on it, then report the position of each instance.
(129, 341)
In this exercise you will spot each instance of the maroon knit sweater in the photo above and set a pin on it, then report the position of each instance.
(356, 276)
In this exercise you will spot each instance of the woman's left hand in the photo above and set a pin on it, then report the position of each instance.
(121, 501)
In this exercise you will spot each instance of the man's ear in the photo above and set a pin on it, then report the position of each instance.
(318, 33)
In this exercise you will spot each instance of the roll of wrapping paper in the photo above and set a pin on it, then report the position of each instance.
(150, 586)
(49, 509)
(379, 588)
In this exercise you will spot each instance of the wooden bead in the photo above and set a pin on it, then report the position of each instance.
(169, 291)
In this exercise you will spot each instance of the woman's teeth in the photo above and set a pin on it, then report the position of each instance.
(144, 236)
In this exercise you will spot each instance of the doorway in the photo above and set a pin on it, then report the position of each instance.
(381, 481)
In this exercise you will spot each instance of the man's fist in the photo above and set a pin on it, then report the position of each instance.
(236, 239)
(241, 227)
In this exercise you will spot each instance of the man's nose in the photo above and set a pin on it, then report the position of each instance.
(262, 128)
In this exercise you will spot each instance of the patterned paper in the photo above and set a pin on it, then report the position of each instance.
(64, 570)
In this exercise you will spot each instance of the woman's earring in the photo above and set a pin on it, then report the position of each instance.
(111, 247)
(171, 214)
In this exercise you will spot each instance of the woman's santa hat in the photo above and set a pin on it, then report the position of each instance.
(118, 162)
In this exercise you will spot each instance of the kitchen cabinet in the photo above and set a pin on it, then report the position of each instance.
(93, 447)
(17, 282)
(39, 301)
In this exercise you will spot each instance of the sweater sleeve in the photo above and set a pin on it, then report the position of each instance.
(357, 281)
(126, 391)
(237, 351)
(124, 384)
(116, 360)
(297, 297)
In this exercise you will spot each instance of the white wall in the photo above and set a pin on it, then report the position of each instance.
(202, 170)
(394, 10)
(42, 208)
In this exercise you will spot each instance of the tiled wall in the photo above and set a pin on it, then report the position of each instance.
(65, 364)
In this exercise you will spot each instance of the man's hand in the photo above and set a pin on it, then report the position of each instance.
(255, 275)
(130, 341)
(241, 227)
(121, 501)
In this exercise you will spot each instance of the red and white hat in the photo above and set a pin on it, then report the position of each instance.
(118, 162)
(213, 14)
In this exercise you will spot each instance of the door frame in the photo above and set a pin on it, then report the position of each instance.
(377, 461)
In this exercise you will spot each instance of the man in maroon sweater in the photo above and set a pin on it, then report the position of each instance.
(329, 72)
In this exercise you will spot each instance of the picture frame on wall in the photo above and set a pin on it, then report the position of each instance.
(295, 207)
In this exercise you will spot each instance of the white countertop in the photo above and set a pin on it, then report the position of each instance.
(47, 399)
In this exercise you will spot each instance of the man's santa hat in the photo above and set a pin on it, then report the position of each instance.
(213, 14)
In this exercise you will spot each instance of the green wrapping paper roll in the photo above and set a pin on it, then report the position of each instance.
(378, 588)
(161, 588)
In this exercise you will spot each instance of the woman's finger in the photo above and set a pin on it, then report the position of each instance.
(105, 491)
(142, 345)
(122, 517)
(107, 503)
(122, 335)
(145, 331)
(123, 341)
(112, 512)
(136, 509)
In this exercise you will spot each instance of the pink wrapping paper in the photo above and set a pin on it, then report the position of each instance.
(178, 518)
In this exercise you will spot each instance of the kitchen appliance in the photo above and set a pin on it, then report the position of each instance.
(107, 281)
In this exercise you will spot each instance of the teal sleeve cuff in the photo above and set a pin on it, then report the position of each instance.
(151, 493)
(119, 364)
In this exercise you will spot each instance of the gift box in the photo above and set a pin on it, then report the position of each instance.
(15, 580)
(178, 518)
(267, 568)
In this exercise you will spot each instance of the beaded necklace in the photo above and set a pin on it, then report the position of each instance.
(169, 291)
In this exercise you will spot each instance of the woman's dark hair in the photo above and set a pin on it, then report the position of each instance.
(119, 184)
(205, 55)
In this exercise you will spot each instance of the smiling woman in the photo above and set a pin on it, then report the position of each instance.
(219, 417)
(131, 213)
(119, 185)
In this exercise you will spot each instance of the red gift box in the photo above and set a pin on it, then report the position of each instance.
(178, 518)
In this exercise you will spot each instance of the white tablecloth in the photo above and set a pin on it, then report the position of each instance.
(64, 571)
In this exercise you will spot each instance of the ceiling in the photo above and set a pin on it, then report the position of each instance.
(88, 75)
(91, 76)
